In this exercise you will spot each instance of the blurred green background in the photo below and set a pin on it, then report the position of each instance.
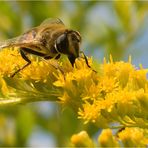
(112, 27)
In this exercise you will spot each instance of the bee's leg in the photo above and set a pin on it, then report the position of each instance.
(26, 59)
(58, 56)
(85, 58)
(49, 57)
(55, 66)
(58, 67)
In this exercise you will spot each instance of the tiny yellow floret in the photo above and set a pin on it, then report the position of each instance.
(82, 140)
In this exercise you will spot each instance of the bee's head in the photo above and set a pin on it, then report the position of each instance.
(69, 43)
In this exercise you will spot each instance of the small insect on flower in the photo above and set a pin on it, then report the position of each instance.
(49, 40)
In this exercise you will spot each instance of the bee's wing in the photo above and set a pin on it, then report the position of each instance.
(51, 21)
(22, 40)
(29, 36)
(10, 43)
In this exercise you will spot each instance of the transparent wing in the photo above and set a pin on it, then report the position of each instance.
(28, 37)
(9, 43)
(51, 21)
(25, 39)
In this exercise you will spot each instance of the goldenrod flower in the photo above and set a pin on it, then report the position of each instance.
(107, 85)
(10, 60)
(115, 96)
(106, 139)
(128, 137)
(138, 79)
(82, 140)
(134, 137)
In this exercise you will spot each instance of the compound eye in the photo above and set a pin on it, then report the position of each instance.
(75, 38)
(62, 43)
(61, 38)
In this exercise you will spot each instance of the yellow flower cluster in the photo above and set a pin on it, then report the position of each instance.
(116, 96)
(128, 137)
(82, 140)
(33, 83)
(120, 95)
(106, 139)
(10, 61)
(117, 92)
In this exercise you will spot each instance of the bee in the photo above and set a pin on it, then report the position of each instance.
(49, 40)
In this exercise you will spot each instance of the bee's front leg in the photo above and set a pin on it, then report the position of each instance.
(86, 61)
(26, 59)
